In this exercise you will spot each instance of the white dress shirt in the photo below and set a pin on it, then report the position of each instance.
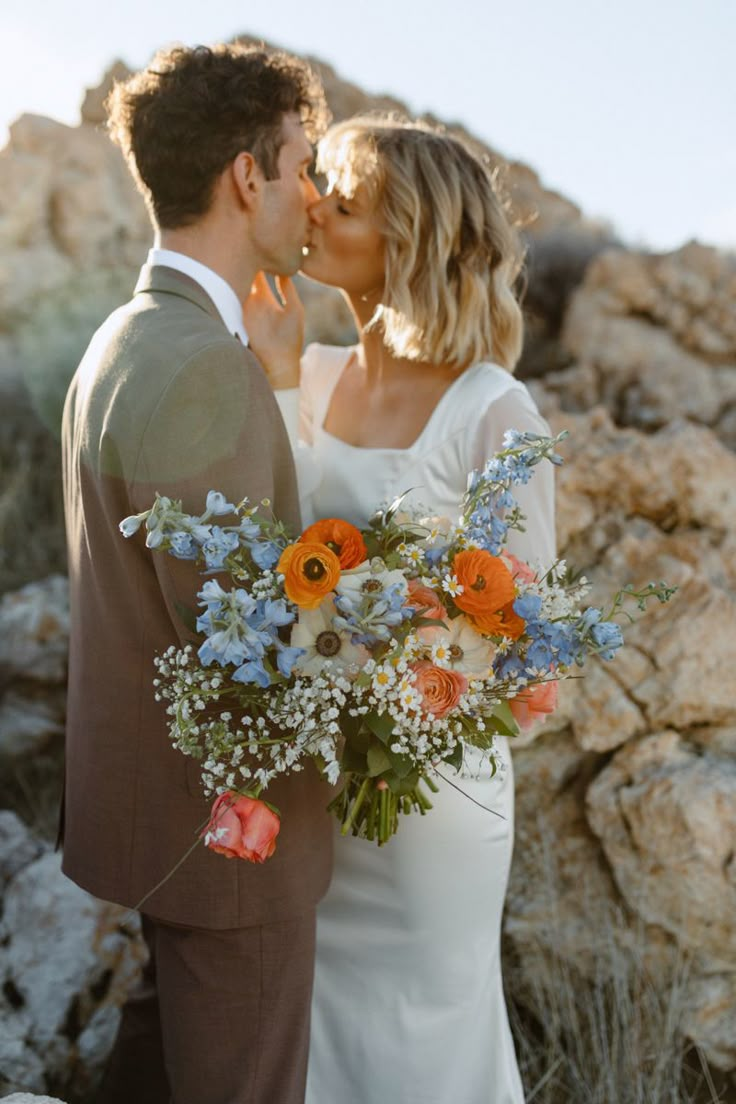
(219, 290)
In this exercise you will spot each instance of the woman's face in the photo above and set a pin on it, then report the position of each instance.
(346, 248)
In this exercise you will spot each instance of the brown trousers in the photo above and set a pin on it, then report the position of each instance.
(219, 1017)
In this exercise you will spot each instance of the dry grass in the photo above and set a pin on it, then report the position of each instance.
(613, 1038)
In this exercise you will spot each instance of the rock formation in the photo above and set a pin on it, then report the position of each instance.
(626, 814)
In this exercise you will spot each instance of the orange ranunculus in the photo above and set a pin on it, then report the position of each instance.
(242, 828)
(488, 593)
(310, 572)
(534, 703)
(440, 688)
(506, 622)
(342, 537)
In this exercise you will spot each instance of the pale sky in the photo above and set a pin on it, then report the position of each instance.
(627, 108)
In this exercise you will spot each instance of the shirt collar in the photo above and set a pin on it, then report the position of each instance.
(219, 290)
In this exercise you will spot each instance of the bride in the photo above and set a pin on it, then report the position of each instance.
(408, 1003)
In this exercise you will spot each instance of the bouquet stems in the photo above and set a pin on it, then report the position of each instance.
(370, 809)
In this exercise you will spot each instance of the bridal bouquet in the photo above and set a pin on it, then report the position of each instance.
(381, 654)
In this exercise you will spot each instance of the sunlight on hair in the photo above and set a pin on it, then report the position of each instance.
(452, 255)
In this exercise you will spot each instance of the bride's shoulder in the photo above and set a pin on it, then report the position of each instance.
(485, 383)
(322, 364)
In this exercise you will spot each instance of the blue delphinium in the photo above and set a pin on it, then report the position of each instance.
(490, 507)
(217, 547)
(240, 630)
(371, 614)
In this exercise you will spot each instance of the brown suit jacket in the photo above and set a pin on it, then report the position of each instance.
(165, 399)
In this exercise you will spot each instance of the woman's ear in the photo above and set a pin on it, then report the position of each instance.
(247, 179)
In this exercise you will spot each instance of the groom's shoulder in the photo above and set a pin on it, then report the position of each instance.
(153, 338)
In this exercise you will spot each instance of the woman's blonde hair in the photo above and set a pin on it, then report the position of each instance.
(451, 254)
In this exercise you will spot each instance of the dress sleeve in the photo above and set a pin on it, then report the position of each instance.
(515, 409)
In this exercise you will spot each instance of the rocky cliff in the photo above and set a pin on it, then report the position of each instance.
(626, 829)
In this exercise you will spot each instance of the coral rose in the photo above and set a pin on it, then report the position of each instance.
(341, 537)
(428, 605)
(242, 828)
(310, 572)
(440, 688)
(488, 593)
(519, 569)
(534, 703)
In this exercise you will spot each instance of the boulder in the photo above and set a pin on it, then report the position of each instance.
(67, 962)
(34, 631)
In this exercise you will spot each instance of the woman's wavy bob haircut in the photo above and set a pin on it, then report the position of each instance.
(452, 256)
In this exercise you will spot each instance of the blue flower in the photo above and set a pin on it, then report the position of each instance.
(252, 672)
(183, 545)
(218, 546)
(528, 606)
(248, 530)
(217, 504)
(286, 657)
(265, 554)
(608, 637)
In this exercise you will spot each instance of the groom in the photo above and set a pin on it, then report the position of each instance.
(169, 398)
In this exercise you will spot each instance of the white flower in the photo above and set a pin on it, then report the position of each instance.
(451, 585)
(130, 525)
(353, 582)
(326, 648)
(466, 651)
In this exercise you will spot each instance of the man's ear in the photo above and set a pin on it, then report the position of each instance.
(247, 179)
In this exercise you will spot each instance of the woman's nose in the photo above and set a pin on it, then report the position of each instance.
(316, 209)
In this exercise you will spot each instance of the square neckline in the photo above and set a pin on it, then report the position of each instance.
(352, 351)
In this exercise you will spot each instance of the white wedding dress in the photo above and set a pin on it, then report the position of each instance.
(408, 1003)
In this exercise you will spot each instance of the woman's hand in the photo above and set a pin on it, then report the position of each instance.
(275, 329)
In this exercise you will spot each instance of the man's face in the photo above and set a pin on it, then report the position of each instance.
(281, 227)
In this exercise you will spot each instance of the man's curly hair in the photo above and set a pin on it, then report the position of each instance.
(182, 120)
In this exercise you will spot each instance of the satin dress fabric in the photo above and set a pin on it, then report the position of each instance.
(408, 1004)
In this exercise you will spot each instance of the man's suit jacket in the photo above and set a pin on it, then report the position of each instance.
(165, 400)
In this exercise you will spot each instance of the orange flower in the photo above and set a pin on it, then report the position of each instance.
(342, 537)
(440, 688)
(242, 828)
(488, 593)
(534, 703)
(310, 572)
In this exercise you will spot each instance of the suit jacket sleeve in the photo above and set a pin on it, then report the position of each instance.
(208, 431)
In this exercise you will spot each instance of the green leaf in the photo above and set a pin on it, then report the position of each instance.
(455, 758)
(401, 786)
(502, 720)
(381, 725)
(401, 764)
(353, 760)
(378, 760)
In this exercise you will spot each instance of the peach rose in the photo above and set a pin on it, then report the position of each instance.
(440, 688)
(428, 605)
(519, 569)
(242, 828)
(534, 703)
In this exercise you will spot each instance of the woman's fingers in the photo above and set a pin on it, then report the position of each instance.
(260, 288)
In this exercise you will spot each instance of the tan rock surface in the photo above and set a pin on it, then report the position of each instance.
(654, 338)
(607, 848)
